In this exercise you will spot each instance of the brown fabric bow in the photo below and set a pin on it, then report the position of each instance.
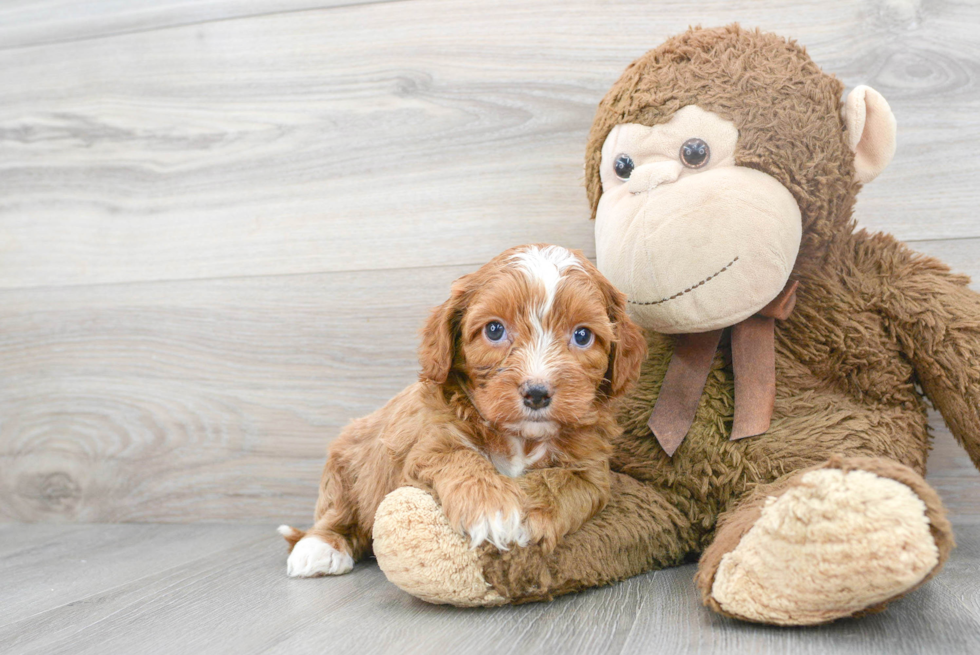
(754, 365)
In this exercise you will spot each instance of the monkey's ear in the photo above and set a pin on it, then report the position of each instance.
(438, 347)
(870, 132)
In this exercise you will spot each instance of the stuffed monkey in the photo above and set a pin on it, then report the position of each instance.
(778, 429)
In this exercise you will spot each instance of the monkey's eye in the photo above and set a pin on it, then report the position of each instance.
(623, 166)
(583, 337)
(695, 153)
(495, 331)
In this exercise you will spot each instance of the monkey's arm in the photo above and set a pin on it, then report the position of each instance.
(560, 500)
(936, 317)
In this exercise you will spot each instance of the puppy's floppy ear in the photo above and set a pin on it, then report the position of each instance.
(439, 335)
(629, 351)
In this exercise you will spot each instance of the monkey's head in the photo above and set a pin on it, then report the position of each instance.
(717, 164)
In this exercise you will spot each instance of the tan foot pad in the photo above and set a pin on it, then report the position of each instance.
(836, 544)
(420, 552)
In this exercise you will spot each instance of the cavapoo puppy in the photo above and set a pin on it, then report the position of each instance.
(510, 424)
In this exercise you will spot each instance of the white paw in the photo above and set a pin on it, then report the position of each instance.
(502, 531)
(312, 556)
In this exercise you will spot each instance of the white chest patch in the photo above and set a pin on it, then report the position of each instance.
(514, 464)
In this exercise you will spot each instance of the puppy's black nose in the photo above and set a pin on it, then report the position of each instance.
(536, 396)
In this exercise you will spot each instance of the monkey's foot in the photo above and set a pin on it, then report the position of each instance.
(839, 540)
(419, 551)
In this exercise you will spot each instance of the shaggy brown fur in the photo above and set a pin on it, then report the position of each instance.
(780, 101)
(875, 325)
(446, 433)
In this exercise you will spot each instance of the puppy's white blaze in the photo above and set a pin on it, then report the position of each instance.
(538, 358)
(312, 556)
(546, 265)
(502, 531)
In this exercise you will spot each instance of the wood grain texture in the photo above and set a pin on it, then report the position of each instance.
(221, 227)
(26, 23)
(214, 400)
(202, 400)
(137, 589)
(84, 558)
(221, 224)
(406, 134)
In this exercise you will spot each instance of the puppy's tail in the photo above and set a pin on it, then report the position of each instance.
(290, 534)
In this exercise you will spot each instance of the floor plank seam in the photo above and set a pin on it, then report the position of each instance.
(160, 28)
(346, 271)
(912, 242)
(231, 278)
(636, 616)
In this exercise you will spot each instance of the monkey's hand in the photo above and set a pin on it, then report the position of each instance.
(559, 501)
(937, 321)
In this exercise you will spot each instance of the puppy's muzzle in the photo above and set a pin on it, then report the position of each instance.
(536, 395)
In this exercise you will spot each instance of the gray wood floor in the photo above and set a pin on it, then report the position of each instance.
(222, 588)
(221, 224)
(209, 588)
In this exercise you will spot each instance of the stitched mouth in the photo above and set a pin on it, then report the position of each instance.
(687, 290)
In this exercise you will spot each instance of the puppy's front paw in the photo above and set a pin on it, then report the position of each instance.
(487, 511)
(502, 530)
(312, 557)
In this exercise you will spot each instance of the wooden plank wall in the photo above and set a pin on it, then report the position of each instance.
(221, 223)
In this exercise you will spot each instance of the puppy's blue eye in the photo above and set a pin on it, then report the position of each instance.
(623, 166)
(582, 337)
(494, 330)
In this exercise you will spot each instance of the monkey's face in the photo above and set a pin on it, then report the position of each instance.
(694, 241)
